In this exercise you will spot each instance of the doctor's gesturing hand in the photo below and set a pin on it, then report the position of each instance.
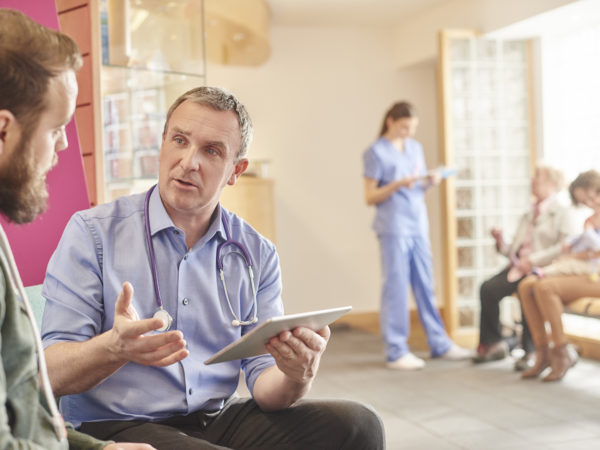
(129, 341)
(78, 366)
(297, 354)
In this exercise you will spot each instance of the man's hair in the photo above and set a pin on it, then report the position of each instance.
(30, 56)
(220, 100)
(585, 180)
(397, 111)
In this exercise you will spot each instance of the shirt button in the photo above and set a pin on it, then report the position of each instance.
(185, 256)
(190, 391)
(185, 301)
(176, 231)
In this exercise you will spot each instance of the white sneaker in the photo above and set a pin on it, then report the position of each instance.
(407, 362)
(456, 353)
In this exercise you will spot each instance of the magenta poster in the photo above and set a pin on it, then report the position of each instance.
(33, 244)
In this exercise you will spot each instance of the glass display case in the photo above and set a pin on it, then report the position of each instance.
(152, 51)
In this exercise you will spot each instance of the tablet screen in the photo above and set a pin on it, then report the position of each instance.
(253, 343)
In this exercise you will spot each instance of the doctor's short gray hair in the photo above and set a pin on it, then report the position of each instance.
(220, 100)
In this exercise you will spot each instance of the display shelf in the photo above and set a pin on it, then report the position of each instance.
(145, 67)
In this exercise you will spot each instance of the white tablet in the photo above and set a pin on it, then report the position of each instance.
(253, 343)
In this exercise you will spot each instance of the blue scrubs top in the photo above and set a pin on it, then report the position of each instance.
(404, 212)
(105, 246)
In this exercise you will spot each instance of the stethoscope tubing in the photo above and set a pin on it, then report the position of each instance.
(240, 250)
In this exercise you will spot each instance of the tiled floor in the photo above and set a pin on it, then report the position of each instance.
(455, 405)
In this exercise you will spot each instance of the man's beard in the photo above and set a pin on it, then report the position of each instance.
(23, 193)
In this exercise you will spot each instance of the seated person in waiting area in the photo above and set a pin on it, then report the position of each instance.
(38, 90)
(538, 240)
(574, 275)
(120, 377)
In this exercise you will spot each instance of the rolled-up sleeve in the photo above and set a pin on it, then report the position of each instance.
(72, 288)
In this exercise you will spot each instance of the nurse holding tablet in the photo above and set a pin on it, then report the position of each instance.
(395, 181)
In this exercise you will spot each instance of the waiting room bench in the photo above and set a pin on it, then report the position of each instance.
(585, 306)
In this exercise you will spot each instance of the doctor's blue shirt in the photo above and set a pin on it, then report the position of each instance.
(105, 246)
(404, 212)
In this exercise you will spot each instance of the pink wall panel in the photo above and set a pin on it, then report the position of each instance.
(34, 243)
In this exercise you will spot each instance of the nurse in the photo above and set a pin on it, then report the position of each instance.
(395, 182)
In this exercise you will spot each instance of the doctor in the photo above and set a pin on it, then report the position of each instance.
(395, 181)
(119, 375)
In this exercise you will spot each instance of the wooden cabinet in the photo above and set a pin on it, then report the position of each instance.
(79, 19)
(252, 199)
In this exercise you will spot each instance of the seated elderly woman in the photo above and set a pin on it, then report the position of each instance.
(571, 277)
(536, 243)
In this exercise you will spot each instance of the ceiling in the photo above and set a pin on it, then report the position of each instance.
(380, 13)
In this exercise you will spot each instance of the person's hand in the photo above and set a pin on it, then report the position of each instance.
(524, 265)
(129, 340)
(434, 177)
(497, 235)
(592, 222)
(409, 181)
(129, 446)
(298, 353)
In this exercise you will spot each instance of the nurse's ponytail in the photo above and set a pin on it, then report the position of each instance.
(398, 110)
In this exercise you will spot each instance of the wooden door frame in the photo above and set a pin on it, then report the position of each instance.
(447, 157)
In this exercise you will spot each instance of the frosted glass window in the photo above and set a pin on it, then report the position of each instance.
(466, 228)
(491, 257)
(464, 198)
(468, 316)
(486, 50)
(466, 257)
(491, 167)
(466, 287)
(459, 50)
(491, 149)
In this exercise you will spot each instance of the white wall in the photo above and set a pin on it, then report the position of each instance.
(316, 105)
(571, 91)
(415, 39)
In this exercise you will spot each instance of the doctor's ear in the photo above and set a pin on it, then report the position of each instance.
(240, 168)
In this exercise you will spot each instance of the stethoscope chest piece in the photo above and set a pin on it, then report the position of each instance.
(166, 318)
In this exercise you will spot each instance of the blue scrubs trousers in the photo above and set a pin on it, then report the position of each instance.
(407, 259)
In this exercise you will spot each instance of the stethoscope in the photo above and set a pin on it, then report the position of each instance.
(239, 250)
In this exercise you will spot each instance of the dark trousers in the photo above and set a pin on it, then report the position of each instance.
(491, 292)
(310, 424)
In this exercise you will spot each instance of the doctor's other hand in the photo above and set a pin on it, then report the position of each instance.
(298, 353)
(128, 446)
(129, 341)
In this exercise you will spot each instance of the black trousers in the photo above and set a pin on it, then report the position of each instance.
(310, 424)
(491, 292)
